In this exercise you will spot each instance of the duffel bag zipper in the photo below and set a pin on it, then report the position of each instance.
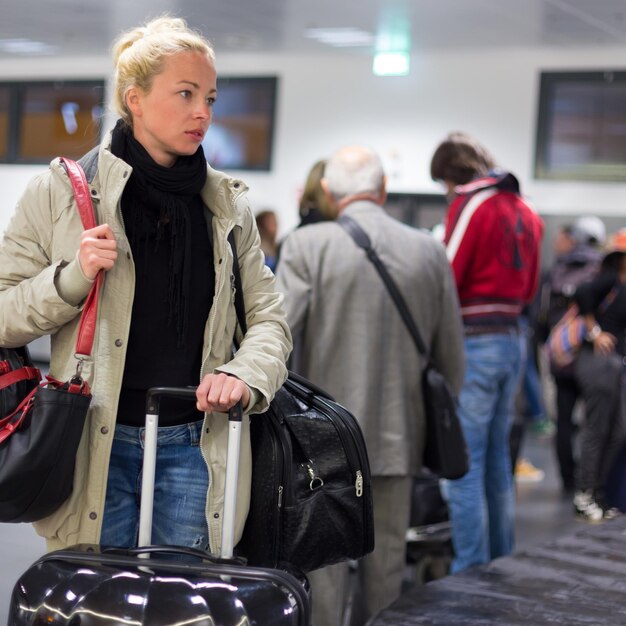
(284, 486)
(357, 457)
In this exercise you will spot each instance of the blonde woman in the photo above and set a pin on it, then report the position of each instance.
(166, 312)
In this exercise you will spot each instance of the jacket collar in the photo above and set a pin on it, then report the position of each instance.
(504, 181)
(361, 207)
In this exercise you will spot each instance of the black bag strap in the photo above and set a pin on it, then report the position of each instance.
(240, 305)
(361, 238)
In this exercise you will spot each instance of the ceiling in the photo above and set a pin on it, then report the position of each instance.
(87, 27)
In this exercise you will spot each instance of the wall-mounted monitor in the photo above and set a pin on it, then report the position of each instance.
(40, 120)
(581, 126)
(241, 135)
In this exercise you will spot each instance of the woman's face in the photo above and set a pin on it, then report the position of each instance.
(172, 118)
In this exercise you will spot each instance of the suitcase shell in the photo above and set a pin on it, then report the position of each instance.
(85, 586)
(160, 585)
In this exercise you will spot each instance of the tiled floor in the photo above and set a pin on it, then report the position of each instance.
(542, 513)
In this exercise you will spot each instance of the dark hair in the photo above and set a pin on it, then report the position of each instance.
(459, 159)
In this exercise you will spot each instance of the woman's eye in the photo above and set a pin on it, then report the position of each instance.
(185, 93)
(210, 101)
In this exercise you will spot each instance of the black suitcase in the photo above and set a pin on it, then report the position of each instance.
(160, 585)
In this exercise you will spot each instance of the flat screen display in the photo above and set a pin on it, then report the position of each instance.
(242, 132)
(581, 126)
(40, 120)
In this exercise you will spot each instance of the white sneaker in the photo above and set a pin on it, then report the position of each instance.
(612, 513)
(587, 508)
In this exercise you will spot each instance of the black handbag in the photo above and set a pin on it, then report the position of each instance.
(41, 424)
(311, 500)
(445, 451)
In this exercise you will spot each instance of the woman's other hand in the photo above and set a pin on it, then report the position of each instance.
(220, 392)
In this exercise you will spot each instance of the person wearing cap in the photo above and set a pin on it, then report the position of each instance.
(578, 255)
(598, 370)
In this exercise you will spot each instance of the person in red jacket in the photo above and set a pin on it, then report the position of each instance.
(492, 238)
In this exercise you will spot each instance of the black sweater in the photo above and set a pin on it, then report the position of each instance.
(154, 356)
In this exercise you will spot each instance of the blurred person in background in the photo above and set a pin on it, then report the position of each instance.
(315, 205)
(578, 255)
(492, 239)
(267, 223)
(598, 371)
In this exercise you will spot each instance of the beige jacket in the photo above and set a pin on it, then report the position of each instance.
(42, 289)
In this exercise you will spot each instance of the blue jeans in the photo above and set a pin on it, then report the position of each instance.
(531, 384)
(180, 488)
(481, 504)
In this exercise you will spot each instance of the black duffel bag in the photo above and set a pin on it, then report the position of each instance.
(311, 502)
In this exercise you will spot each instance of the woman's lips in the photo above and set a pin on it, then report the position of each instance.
(198, 135)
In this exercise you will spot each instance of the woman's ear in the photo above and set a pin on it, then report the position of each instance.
(133, 101)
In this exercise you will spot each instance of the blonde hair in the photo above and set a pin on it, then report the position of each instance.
(313, 195)
(138, 55)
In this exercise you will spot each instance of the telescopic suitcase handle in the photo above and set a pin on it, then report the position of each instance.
(153, 400)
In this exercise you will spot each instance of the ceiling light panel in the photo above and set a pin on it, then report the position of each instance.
(341, 37)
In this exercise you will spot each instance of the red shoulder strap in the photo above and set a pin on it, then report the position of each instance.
(87, 325)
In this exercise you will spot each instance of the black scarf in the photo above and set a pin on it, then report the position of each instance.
(155, 206)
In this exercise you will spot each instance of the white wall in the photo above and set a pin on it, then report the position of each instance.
(326, 101)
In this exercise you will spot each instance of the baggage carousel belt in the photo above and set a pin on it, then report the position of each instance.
(576, 579)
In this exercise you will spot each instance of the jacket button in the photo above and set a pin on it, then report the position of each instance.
(104, 430)
(216, 515)
(93, 515)
(118, 343)
(94, 192)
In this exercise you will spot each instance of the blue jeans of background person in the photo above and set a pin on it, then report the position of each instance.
(531, 384)
(180, 488)
(481, 504)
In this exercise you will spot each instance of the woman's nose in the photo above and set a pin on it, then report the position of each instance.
(203, 111)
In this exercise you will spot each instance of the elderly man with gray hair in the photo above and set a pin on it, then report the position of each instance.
(351, 341)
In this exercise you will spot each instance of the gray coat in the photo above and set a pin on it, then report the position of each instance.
(349, 338)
